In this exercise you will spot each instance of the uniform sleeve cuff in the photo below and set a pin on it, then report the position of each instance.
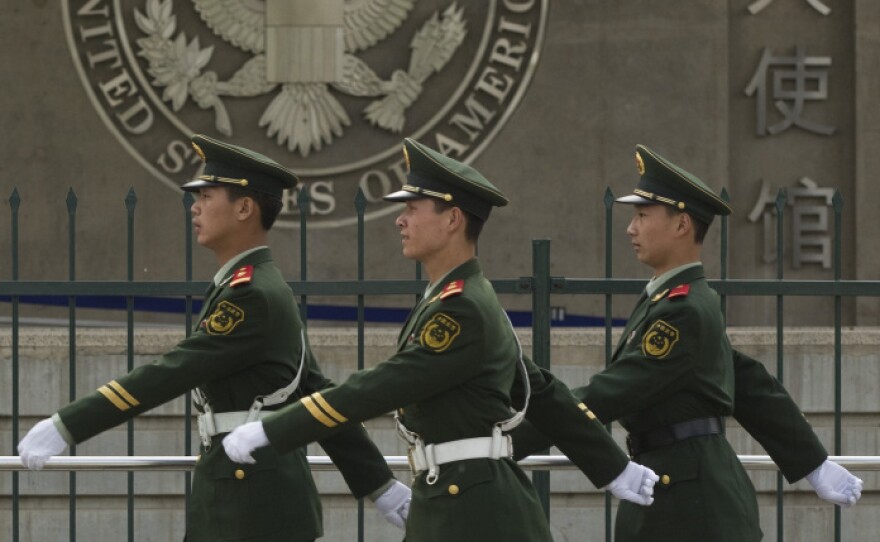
(382, 489)
(62, 429)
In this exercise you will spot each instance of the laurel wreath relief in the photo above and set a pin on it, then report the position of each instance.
(303, 116)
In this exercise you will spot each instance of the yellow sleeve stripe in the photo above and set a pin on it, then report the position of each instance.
(587, 411)
(123, 393)
(317, 413)
(113, 398)
(325, 406)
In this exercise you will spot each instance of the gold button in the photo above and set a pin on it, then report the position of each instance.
(665, 480)
(453, 489)
(239, 474)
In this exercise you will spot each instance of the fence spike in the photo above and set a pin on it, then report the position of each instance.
(724, 195)
(14, 199)
(187, 200)
(609, 198)
(71, 201)
(303, 198)
(360, 200)
(781, 199)
(837, 200)
(130, 199)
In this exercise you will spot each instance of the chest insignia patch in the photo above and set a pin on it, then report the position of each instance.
(242, 276)
(658, 341)
(224, 319)
(439, 332)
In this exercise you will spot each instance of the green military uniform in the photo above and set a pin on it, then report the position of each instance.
(673, 379)
(455, 376)
(674, 365)
(247, 343)
(765, 409)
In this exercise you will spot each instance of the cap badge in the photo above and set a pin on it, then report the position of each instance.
(640, 163)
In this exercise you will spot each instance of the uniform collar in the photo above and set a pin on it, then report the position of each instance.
(463, 271)
(658, 283)
(223, 274)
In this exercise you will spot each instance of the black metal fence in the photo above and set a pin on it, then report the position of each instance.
(540, 286)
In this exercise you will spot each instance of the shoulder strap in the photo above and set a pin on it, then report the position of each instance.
(518, 416)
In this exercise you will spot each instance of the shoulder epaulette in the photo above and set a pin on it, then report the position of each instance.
(680, 291)
(452, 289)
(242, 276)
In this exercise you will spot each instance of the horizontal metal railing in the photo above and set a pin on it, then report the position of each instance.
(323, 463)
(540, 286)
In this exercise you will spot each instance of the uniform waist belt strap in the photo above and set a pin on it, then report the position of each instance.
(664, 436)
(423, 457)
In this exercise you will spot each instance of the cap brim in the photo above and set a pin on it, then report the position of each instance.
(402, 195)
(634, 199)
(193, 186)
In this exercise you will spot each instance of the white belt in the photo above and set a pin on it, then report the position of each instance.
(211, 423)
(429, 457)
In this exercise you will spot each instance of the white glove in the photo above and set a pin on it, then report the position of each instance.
(835, 484)
(394, 504)
(243, 440)
(634, 484)
(41, 443)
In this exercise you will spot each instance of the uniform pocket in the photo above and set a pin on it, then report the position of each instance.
(456, 479)
(678, 495)
(258, 500)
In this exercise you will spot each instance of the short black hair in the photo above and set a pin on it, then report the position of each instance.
(473, 224)
(700, 227)
(269, 205)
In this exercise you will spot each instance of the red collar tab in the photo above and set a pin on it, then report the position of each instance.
(242, 276)
(453, 288)
(680, 291)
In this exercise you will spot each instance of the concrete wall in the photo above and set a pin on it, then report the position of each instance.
(577, 508)
(669, 74)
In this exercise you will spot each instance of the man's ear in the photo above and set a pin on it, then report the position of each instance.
(245, 208)
(456, 218)
(685, 223)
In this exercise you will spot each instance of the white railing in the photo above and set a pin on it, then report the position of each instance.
(323, 463)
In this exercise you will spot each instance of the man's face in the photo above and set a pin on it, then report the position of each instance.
(213, 217)
(652, 232)
(422, 229)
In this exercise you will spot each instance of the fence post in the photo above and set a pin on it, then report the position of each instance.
(302, 201)
(608, 201)
(541, 339)
(837, 203)
(781, 198)
(360, 205)
(72, 201)
(14, 203)
(188, 201)
(130, 203)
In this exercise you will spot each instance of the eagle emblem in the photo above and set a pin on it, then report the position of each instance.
(302, 51)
